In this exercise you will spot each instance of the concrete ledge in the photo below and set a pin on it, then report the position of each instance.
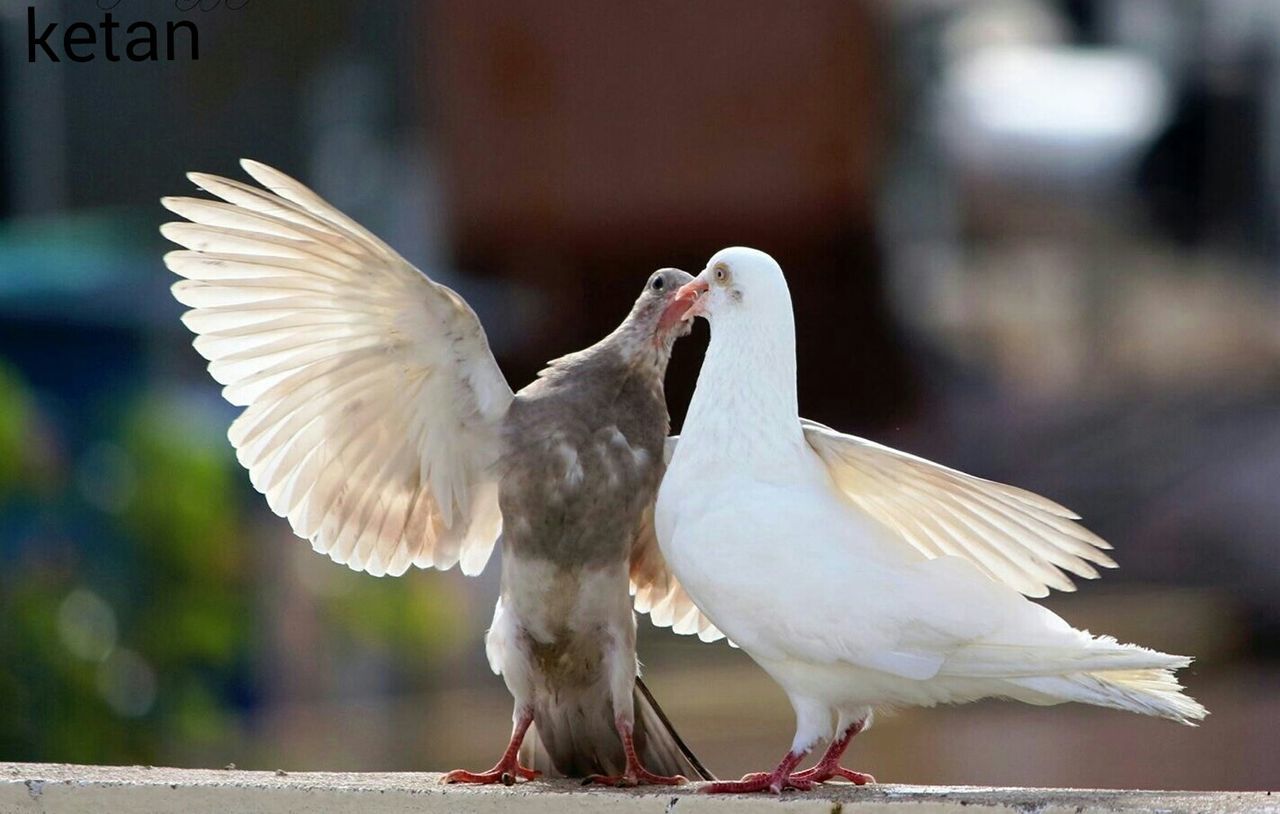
(47, 787)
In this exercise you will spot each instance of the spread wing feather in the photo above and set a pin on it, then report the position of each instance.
(1014, 536)
(372, 401)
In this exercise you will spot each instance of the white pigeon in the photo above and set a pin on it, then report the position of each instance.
(858, 576)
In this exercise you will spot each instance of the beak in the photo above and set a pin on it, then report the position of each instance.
(682, 303)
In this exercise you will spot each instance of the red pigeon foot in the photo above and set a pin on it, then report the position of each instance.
(508, 768)
(635, 774)
(775, 781)
(830, 767)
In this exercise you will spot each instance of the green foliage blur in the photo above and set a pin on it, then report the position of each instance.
(132, 602)
(128, 611)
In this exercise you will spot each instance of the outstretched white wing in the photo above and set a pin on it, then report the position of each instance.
(372, 401)
(1012, 535)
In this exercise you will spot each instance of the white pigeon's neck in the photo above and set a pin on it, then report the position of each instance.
(744, 409)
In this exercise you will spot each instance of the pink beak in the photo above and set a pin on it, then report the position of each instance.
(679, 306)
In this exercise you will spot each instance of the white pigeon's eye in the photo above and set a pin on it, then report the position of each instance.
(657, 284)
(721, 274)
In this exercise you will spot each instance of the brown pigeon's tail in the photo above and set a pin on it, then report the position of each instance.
(664, 745)
(576, 737)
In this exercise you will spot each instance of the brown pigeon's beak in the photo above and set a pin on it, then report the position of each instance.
(679, 308)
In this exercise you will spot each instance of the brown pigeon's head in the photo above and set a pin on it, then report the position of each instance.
(652, 315)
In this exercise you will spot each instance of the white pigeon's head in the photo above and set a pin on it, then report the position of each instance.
(737, 284)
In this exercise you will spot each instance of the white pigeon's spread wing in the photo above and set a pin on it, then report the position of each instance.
(1012, 535)
(656, 590)
(372, 401)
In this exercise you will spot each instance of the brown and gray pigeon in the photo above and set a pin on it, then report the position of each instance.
(377, 421)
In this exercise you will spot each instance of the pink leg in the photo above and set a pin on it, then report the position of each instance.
(635, 774)
(775, 781)
(508, 768)
(830, 767)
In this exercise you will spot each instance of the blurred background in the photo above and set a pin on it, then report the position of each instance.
(1032, 239)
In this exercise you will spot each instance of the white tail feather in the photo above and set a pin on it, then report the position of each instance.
(1149, 692)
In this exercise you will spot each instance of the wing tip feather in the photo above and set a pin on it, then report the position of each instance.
(199, 179)
(264, 174)
(171, 229)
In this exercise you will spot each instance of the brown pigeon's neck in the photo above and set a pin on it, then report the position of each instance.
(617, 359)
(640, 351)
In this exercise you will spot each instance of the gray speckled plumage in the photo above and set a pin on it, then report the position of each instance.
(583, 456)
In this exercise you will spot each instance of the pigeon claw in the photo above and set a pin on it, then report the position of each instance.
(638, 776)
(757, 781)
(821, 774)
(775, 782)
(508, 768)
(506, 775)
(790, 783)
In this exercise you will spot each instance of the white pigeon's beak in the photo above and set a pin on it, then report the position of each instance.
(684, 306)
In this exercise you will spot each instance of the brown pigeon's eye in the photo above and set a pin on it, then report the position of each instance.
(657, 284)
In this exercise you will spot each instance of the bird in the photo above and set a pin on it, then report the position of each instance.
(857, 576)
(377, 421)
